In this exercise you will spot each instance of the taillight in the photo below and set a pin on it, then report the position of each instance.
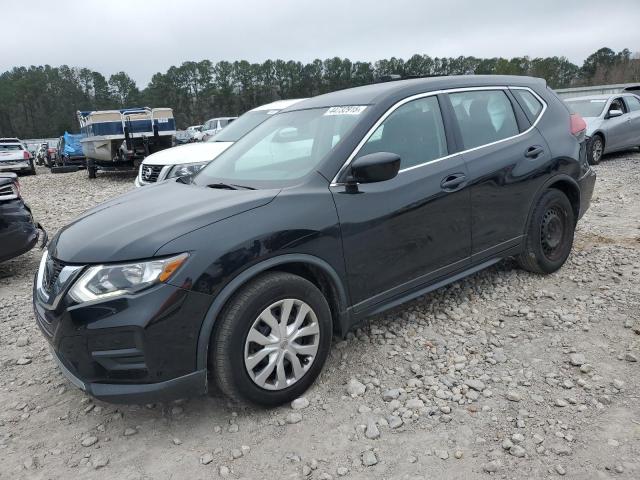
(26, 155)
(578, 125)
(16, 188)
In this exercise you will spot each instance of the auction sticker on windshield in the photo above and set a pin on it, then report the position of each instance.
(346, 110)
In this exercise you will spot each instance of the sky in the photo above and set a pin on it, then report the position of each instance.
(142, 37)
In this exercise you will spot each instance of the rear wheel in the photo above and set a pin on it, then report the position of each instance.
(596, 149)
(271, 341)
(33, 168)
(550, 233)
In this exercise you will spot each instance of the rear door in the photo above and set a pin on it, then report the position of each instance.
(503, 152)
(405, 232)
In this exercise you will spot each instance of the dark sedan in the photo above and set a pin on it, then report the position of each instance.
(19, 233)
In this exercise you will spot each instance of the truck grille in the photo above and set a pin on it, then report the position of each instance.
(150, 173)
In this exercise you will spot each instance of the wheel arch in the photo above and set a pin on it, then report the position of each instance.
(312, 268)
(567, 185)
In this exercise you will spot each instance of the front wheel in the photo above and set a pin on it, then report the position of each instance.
(549, 236)
(271, 341)
(595, 150)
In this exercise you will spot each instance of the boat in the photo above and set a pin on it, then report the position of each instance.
(121, 139)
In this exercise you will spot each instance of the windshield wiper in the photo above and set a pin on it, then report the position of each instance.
(229, 186)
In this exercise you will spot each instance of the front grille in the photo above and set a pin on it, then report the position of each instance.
(51, 273)
(150, 173)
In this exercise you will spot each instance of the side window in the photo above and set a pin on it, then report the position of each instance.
(484, 116)
(528, 102)
(414, 131)
(618, 104)
(633, 103)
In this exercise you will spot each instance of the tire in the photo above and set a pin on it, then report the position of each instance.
(549, 236)
(595, 149)
(33, 168)
(230, 348)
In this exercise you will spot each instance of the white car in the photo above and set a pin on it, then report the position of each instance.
(188, 159)
(213, 126)
(14, 157)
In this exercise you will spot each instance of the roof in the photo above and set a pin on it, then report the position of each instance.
(377, 92)
(621, 86)
(84, 113)
(600, 96)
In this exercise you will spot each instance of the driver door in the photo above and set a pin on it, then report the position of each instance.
(617, 127)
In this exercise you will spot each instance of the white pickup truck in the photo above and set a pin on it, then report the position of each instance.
(14, 157)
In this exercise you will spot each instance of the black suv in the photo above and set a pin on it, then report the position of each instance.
(339, 207)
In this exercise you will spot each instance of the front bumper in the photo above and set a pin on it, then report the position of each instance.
(587, 183)
(185, 386)
(19, 233)
(129, 349)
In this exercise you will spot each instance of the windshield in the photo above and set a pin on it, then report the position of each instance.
(243, 125)
(281, 150)
(587, 108)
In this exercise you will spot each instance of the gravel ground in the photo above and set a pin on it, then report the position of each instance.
(504, 374)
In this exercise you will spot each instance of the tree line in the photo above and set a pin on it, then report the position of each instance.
(41, 101)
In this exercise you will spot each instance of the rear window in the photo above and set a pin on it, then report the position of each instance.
(528, 102)
(7, 147)
(484, 116)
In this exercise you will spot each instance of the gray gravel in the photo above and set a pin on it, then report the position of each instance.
(504, 374)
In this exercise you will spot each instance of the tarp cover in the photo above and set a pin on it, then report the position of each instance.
(72, 145)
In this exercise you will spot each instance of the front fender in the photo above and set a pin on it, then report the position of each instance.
(245, 276)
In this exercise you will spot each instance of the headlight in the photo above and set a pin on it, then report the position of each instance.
(186, 169)
(103, 281)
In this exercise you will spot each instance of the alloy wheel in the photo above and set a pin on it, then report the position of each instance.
(282, 344)
(596, 150)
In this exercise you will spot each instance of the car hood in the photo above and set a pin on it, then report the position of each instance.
(189, 153)
(135, 225)
(593, 124)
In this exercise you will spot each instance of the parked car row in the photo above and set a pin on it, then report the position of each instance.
(235, 276)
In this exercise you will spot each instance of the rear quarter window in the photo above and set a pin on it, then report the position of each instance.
(530, 104)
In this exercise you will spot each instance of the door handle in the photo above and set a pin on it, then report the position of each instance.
(533, 151)
(453, 181)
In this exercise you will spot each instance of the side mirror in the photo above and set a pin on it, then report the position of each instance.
(615, 113)
(375, 167)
